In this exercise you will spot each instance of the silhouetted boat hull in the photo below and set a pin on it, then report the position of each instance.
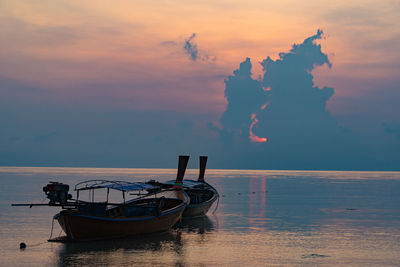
(149, 214)
(200, 207)
(151, 210)
(202, 195)
(79, 226)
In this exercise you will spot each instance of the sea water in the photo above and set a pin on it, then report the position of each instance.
(263, 218)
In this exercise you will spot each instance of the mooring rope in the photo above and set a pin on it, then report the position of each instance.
(52, 227)
(33, 245)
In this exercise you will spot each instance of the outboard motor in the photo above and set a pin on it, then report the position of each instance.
(57, 193)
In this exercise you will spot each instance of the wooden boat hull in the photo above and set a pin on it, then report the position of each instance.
(79, 226)
(202, 196)
(200, 209)
(122, 221)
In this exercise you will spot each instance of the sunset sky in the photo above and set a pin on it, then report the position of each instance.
(135, 83)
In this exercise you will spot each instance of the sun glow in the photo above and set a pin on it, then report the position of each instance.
(252, 136)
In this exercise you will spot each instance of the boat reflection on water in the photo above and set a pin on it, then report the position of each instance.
(122, 251)
(200, 225)
(139, 250)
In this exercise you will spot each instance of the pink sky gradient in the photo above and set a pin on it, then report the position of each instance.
(116, 74)
(129, 53)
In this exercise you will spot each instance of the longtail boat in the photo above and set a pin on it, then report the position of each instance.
(150, 210)
(202, 195)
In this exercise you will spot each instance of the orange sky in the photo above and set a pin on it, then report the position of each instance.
(130, 53)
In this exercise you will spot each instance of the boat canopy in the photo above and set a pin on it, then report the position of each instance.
(116, 185)
(186, 183)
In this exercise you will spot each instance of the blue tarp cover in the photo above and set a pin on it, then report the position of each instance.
(116, 185)
(186, 183)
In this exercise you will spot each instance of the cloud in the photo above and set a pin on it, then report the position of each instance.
(169, 43)
(11, 89)
(392, 128)
(245, 96)
(285, 105)
(82, 135)
(297, 108)
(212, 126)
(278, 121)
(191, 49)
(281, 119)
(8, 85)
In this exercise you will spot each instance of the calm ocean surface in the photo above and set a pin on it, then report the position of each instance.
(264, 218)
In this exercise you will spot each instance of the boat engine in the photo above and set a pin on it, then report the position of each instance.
(57, 193)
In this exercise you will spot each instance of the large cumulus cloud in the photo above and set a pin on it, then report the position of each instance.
(244, 96)
(287, 104)
(296, 108)
(283, 115)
